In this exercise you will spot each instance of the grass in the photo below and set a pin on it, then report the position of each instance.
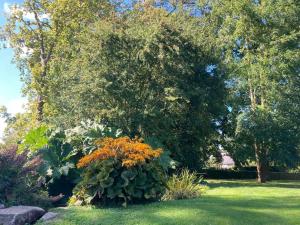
(225, 203)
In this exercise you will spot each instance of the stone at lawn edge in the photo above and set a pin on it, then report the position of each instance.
(2, 206)
(49, 216)
(20, 215)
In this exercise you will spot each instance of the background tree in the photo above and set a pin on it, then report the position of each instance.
(36, 27)
(259, 42)
(16, 125)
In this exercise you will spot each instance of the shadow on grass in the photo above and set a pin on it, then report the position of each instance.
(206, 210)
(218, 211)
(272, 184)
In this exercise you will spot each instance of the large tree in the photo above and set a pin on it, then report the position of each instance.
(144, 73)
(259, 42)
(36, 27)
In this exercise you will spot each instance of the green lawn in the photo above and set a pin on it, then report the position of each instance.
(225, 203)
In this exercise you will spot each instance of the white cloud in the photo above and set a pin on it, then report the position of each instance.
(13, 8)
(16, 106)
(6, 8)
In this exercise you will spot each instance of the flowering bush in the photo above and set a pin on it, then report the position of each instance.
(121, 170)
(129, 152)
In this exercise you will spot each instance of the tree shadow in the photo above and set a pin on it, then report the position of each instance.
(219, 210)
(272, 184)
(208, 210)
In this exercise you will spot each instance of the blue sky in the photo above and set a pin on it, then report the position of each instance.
(10, 84)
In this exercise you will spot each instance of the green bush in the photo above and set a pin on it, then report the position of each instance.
(186, 185)
(108, 183)
(120, 172)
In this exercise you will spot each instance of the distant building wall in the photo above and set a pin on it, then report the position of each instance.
(227, 161)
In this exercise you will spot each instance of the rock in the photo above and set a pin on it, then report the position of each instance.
(20, 215)
(49, 216)
(2, 206)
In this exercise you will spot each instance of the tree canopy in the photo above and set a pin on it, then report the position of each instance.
(195, 76)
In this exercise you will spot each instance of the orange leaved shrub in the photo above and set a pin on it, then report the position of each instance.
(129, 152)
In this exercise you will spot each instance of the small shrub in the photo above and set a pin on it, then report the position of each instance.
(18, 179)
(121, 170)
(186, 185)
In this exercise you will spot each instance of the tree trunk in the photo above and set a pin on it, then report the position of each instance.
(261, 164)
(40, 108)
(40, 99)
(260, 154)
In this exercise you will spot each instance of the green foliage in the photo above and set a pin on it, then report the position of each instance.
(165, 159)
(263, 127)
(35, 139)
(60, 150)
(82, 137)
(5, 115)
(148, 79)
(106, 182)
(17, 126)
(55, 23)
(156, 70)
(56, 156)
(65, 148)
(259, 44)
(185, 185)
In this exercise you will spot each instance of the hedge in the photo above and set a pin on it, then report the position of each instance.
(246, 174)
